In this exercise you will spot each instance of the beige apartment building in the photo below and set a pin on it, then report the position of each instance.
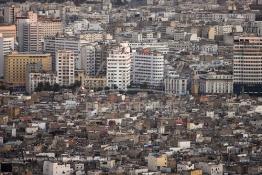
(8, 30)
(15, 65)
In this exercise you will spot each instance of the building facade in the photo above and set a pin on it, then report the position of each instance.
(51, 168)
(15, 66)
(213, 83)
(119, 67)
(174, 84)
(10, 13)
(34, 78)
(94, 82)
(148, 67)
(31, 31)
(247, 65)
(93, 59)
(60, 42)
(8, 30)
(65, 67)
(7, 45)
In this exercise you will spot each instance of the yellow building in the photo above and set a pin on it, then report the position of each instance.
(194, 172)
(212, 33)
(15, 65)
(94, 82)
(156, 162)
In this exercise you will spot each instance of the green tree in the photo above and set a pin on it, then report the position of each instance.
(144, 86)
(115, 86)
(56, 87)
(47, 86)
(39, 87)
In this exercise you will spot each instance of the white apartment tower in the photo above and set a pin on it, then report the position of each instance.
(148, 67)
(247, 65)
(65, 67)
(119, 67)
(6, 46)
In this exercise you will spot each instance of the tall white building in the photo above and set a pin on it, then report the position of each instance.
(65, 67)
(31, 31)
(53, 168)
(247, 65)
(6, 46)
(119, 67)
(148, 67)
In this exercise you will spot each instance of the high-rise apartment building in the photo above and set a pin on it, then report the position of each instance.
(148, 67)
(93, 59)
(119, 67)
(6, 46)
(32, 30)
(10, 13)
(8, 31)
(61, 42)
(88, 59)
(15, 65)
(247, 65)
(65, 67)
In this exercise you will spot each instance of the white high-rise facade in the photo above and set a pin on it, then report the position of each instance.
(6, 46)
(119, 67)
(148, 67)
(65, 67)
(247, 68)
